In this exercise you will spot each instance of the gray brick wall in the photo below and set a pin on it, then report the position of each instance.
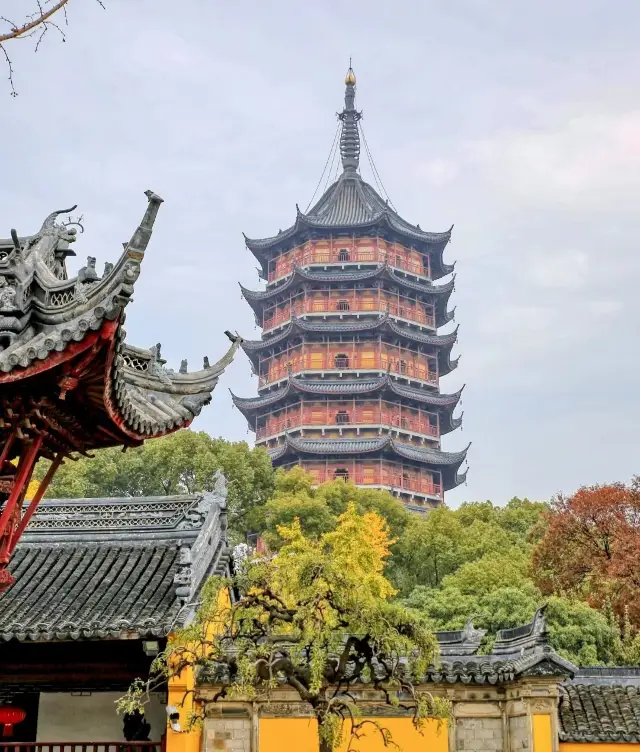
(479, 735)
(228, 735)
(519, 734)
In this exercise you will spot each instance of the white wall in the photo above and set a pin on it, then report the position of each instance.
(63, 717)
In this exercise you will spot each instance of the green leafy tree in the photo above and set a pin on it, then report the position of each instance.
(318, 509)
(437, 545)
(183, 462)
(497, 592)
(317, 617)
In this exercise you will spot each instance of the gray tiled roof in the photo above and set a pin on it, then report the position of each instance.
(384, 322)
(382, 271)
(603, 712)
(91, 568)
(350, 203)
(347, 388)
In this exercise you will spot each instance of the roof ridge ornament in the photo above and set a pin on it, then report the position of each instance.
(350, 136)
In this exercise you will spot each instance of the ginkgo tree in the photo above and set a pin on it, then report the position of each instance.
(317, 617)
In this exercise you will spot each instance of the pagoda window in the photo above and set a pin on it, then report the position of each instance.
(402, 366)
(316, 361)
(341, 473)
(404, 423)
(341, 360)
(342, 416)
(343, 305)
(343, 255)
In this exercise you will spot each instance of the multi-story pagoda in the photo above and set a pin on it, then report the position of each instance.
(68, 381)
(350, 359)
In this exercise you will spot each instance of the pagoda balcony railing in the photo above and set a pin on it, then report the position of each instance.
(343, 414)
(418, 368)
(351, 303)
(7, 746)
(284, 265)
(387, 474)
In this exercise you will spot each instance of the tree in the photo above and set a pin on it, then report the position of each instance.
(183, 462)
(437, 545)
(591, 546)
(497, 593)
(37, 23)
(317, 617)
(318, 508)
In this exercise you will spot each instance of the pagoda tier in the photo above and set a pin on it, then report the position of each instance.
(344, 295)
(68, 380)
(381, 404)
(350, 359)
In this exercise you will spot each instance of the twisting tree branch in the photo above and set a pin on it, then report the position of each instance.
(37, 23)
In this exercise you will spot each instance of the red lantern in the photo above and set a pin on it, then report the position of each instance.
(9, 716)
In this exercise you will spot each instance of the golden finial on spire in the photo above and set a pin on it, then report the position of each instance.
(350, 78)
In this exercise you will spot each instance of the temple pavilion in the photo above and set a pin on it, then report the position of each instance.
(69, 382)
(350, 359)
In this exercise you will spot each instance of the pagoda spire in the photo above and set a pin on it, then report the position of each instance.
(350, 136)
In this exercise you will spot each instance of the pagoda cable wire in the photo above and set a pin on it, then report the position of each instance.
(331, 175)
(376, 178)
(331, 153)
(376, 174)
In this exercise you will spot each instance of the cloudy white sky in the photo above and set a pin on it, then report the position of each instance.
(519, 122)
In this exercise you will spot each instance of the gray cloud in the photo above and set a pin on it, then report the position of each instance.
(520, 123)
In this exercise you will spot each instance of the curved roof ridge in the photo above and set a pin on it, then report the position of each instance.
(336, 209)
(301, 324)
(381, 270)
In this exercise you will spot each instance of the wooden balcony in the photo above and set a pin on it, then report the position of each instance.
(391, 475)
(351, 303)
(351, 415)
(404, 363)
(284, 265)
(7, 746)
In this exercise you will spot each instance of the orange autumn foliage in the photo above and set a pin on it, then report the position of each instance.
(591, 547)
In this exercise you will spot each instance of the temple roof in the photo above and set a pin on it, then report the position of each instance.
(605, 711)
(113, 568)
(385, 444)
(443, 403)
(70, 331)
(351, 205)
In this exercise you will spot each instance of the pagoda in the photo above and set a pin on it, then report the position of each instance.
(350, 359)
(69, 382)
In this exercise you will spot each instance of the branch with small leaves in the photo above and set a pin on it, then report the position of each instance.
(318, 618)
(35, 24)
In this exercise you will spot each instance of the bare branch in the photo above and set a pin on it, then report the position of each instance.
(37, 24)
(32, 22)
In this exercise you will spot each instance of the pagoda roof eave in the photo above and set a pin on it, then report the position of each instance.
(348, 205)
(444, 402)
(447, 462)
(261, 247)
(384, 270)
(254, 347)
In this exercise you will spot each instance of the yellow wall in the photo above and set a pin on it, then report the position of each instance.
(542, 733)
(596, 747)
(300, 735)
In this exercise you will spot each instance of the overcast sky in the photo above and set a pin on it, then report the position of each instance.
(519, 122)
